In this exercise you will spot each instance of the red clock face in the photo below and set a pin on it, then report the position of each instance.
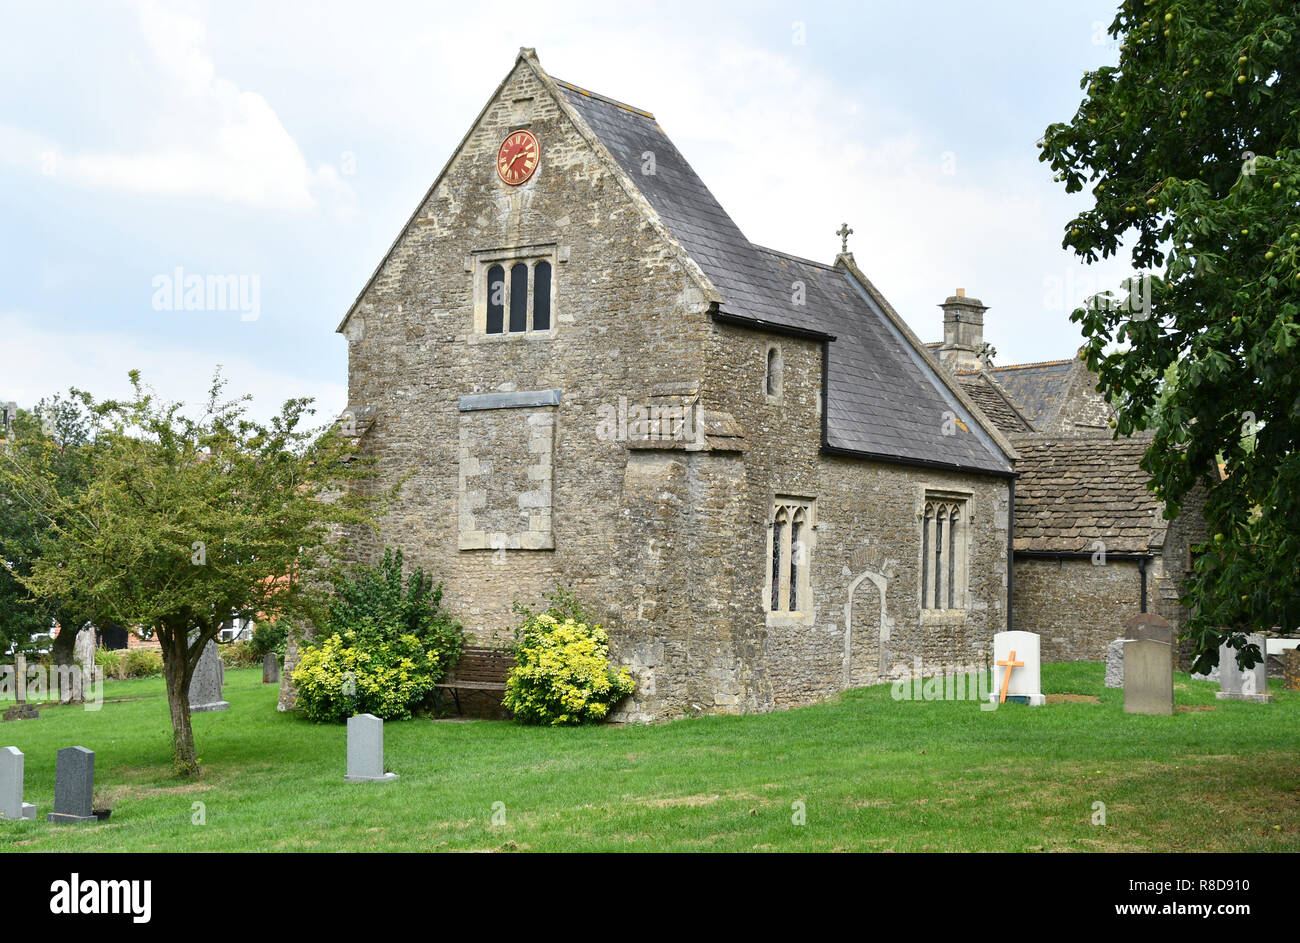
(517, 157)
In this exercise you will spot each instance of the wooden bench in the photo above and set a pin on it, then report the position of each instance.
(479, 669)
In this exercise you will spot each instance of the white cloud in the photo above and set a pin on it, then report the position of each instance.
(207, 137)
(42, 362)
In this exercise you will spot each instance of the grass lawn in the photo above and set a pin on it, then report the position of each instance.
(873, 774)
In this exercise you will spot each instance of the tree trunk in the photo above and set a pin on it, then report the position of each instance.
(176, 672)
(62, 647)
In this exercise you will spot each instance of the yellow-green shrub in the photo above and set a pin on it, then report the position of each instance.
(562, 673)
(337, 677)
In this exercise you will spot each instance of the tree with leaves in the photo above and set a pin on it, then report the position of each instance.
(1189, 150)
(187, 522)
(54, 438)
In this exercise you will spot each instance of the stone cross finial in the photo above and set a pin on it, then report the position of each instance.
(986, 354)
(844, 232)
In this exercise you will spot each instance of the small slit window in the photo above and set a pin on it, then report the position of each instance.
(772, 373)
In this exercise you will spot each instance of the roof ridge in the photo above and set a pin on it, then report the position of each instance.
(605, 98)
(791, 255)
(1036, 363)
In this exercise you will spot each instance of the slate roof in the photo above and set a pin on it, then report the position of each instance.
(1037, 388)
(884, 400)
(993, 403)
(1074, 491)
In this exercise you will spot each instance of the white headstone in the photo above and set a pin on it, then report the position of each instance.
(1025, 682)
(12, 807)
(366, 750)
(1248, 685)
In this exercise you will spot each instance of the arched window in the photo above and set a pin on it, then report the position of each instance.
(518, 297)
(496, 299)
(542, 296)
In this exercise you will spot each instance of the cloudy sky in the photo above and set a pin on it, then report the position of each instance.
(284, 144)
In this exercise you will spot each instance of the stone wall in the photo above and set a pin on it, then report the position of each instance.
(1075, 605)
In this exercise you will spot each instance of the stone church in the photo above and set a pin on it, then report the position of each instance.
(745, 462)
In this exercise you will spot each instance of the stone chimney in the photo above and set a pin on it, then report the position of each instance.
(963, 332)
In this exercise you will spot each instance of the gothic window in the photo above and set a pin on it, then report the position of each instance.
(772, 375)
(943, 553)
(788, 576)
(519, 303)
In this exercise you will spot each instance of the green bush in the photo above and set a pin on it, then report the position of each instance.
(385, 643)
(340, 677)
(270, 635)
(562, 673)
(123, 663)
(110, 661)
(239, 654)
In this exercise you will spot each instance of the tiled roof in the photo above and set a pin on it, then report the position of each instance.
(1077, 490)
(993, 403)
(883, 397)
(1037, 388)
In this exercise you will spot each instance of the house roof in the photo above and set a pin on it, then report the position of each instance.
(886, 397)
(1075, 491)
(1037, 388)
(994, 403)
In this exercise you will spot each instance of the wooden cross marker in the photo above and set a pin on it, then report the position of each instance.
(1006, 676)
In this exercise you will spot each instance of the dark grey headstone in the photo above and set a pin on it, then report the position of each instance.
(205, 685)
(366, 750)
(1238, 685)
(74, 786)
(12, 807)
(270, 669)
(1148, 677)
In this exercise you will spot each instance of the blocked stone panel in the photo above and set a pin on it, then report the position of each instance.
(506, 474)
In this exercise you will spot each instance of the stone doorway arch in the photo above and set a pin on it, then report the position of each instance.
(882, 586)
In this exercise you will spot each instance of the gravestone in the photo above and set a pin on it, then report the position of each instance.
(12, 807)
(1017, 669)
(1115, 663)
(73, 691)
(366, 750)
(205, 685)
(1149, 626)
(1148, 677)
(1145, 626)
(21, 709)
(74, 786)
(1291, 670)
(270, 669)
(1236, 684)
